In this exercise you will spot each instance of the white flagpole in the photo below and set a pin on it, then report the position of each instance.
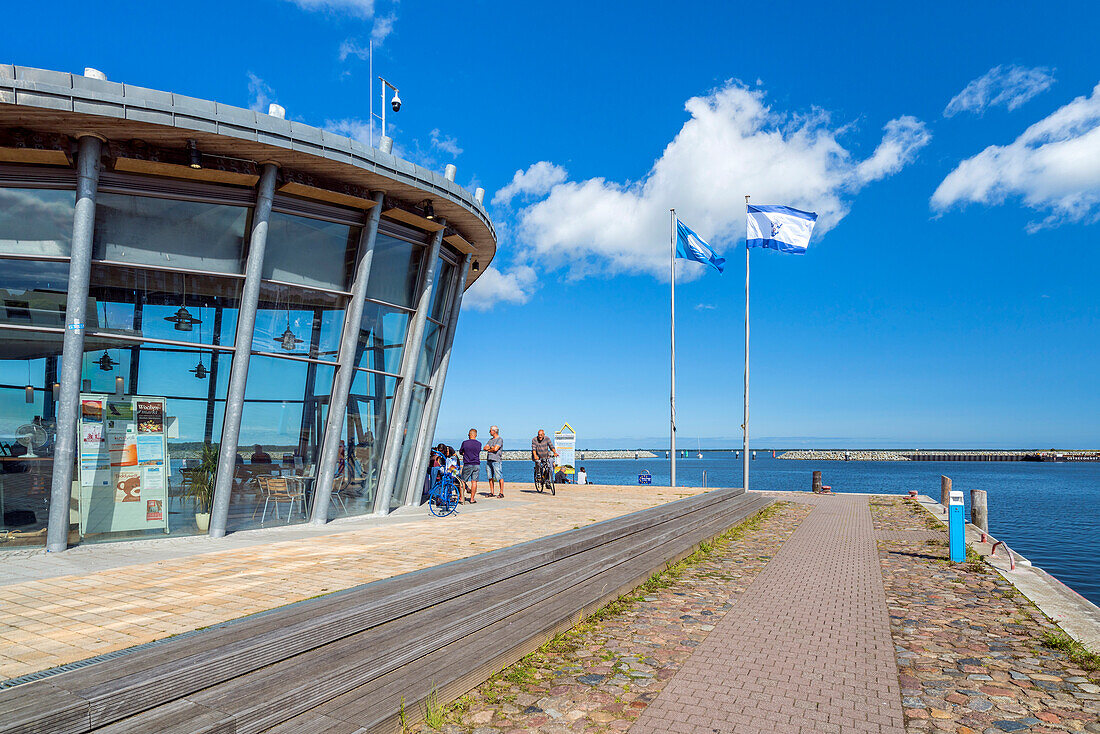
(672, 392)
(745, 452)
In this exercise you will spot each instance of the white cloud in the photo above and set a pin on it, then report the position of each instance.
(705, 307)
(383, 27)
(734, 144)
(362, 8)
(260, 93)
(900, 143)
(1054, 167)
(1001, 86)
(537, 180)
(445, 143)
(351, 47)
(496, 287)
(353, 128)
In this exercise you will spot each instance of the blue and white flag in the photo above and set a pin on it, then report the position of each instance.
(780, 228)
(691, 246)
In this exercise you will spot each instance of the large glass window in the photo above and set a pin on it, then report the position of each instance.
(157, 304)
(36, 222)
(169, 233)
(310, 252)
(382, 338)
(441, 291)
(286, 405)
(27, 434)
(394, 271)
(408, 446)
(362, 443)
(33, 293)
(299, 322)
(147, 410)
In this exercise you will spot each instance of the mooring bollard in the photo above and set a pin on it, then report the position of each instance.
(979, 511)
(816, 486)
(945, 492)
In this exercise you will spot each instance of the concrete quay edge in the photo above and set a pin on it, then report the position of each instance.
(1075, 614)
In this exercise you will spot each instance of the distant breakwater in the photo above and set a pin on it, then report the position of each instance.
(589, 455)
(885, 455)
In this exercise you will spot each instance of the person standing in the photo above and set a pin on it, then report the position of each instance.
(494, 460)
(471, 462)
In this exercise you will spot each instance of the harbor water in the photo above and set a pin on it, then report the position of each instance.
(1049, 512)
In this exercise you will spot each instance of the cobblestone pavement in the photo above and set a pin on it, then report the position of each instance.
(806, 650)
(968, 645)
(63, 618)
(599, 676)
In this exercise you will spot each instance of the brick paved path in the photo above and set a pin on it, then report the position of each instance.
(807, 648)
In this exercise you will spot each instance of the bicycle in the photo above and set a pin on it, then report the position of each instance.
(443, 497)
(544, 475)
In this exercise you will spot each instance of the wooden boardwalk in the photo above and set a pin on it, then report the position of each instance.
(345, 662)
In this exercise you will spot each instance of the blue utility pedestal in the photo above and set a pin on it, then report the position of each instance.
(956, 527)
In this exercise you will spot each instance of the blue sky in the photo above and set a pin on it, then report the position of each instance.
(951, 298)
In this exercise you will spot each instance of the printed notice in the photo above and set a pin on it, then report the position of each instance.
(91, 411)
(154, 510)
(150, 416)
(150, 450)
(128, 486)
(120, 410)
(153, 479)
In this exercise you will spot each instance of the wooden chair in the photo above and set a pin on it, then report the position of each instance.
(276, 490)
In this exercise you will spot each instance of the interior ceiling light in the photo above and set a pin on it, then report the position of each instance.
(105, 362)
(183, 319)
(193, 154)
(199, 370)
(429, 210)
(289, 340)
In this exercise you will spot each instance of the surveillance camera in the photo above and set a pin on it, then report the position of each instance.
(396, 103)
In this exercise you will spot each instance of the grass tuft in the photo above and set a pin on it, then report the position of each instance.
(1077, 652)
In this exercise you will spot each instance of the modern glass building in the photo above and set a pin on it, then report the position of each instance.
(213, 319)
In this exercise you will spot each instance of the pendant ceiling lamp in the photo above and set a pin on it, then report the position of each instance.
(105, 362)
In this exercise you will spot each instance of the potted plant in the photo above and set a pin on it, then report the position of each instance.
(201, 487)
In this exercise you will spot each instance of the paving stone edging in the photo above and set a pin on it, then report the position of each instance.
(1075, 614)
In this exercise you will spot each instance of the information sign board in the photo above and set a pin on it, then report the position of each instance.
(124, 464)
(565, 441)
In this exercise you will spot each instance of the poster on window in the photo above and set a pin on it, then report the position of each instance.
(150, 416)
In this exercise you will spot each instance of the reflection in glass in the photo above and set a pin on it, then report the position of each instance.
(171, 234)
(156, 304)
(362, 442)
(408, 445)
(36, 222)
(310, 252)
(441, 291)
(381, 338)
(27, 434)
(285, 408)
(426, 363)
(394, 271)
(298, 321)
(33, 293)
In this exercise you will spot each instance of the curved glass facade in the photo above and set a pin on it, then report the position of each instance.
(166, 285)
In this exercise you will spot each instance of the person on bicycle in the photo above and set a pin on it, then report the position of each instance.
(542, 448)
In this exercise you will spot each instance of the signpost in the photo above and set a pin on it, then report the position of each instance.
(645, 477)
(565, 441)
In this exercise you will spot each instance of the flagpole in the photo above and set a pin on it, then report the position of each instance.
(745, 451)
(672, 392)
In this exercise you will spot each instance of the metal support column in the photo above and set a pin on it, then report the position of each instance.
(242, 351)
(345, 369)
(427, 425)
(411, 357)
(72, 350)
